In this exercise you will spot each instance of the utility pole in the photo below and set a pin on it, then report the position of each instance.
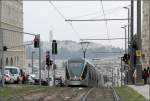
(125, 30)
(32, 61)
(132, 65)
(121, 71)
(54, 67)
(139, 42)
(39, 59)
(128, 25)
(3, 63)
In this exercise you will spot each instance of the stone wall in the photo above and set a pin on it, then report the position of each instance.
(11, 17)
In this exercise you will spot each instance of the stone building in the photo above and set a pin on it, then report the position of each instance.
(11, 17)
(146, 34)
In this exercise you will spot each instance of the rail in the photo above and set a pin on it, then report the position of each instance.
(116, 97)
(14, 97)
(85, 95)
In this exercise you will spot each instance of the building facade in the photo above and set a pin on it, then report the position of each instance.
(11, 18)
(146, 34)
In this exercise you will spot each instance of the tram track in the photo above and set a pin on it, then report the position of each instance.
(85, 95)
(68, 94)
(98, 94)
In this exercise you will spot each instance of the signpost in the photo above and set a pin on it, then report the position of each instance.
(48, 65)
(54, 52)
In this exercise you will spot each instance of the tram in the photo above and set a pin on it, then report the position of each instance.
(80, 72)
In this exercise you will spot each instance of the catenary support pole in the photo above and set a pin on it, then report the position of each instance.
(32, 61)
(121, 71)
(39, 60)
(138, 64)
(132, 66)
(54, 70)
(3, 63)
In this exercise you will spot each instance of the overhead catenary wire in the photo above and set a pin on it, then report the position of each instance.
(76, 32)
(98, 19)
(109, 11)
(109, 52)
(106, 39)
(105, 18)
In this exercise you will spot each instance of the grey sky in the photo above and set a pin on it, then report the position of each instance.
(40, 17)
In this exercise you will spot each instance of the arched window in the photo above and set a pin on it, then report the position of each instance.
(17, 61)
(7, 62)
(11, 61)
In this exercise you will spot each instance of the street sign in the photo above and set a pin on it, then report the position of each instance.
(138, 53)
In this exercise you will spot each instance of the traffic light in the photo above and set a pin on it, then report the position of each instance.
(54, 47)
(5, 48)
(47, 60)
(36, 41)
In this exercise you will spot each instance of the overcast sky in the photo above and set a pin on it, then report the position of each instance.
(40, 17)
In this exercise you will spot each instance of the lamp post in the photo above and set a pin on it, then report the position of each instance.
(128, 24)
(125, 37)
(84, 48)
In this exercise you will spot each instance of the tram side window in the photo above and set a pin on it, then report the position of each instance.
(84, 72)
(90, 75)
(67, 74)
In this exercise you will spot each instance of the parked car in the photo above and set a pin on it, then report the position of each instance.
(8, 77)
(58, 82)
(31, 78)
(16, 73)
(0, 75)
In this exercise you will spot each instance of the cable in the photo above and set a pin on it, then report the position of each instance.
(107, 39)
(109, 11)
(105, 21)
(77, 34)
(57, 10)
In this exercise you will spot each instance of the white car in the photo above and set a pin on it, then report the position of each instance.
(31, 78)
(16, 73)
(8, 77)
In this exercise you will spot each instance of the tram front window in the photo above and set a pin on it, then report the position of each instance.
(75, 69)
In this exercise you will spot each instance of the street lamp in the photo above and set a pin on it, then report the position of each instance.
(84, 46)
(125, 37)
(128, 23)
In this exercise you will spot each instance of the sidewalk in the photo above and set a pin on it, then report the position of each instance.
(143, 90)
